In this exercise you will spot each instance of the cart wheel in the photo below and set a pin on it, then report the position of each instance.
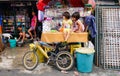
(64, 61)
(30, 60)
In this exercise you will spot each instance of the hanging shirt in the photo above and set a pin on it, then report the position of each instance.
(41, 4)
(0, 20)
(90, 22)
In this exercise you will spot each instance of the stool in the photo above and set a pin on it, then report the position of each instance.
(73, 47)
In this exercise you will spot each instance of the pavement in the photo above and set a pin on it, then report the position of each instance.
(11, 65)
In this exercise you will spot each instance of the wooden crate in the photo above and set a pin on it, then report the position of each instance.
(50, 37)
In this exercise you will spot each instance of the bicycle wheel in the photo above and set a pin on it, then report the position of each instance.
(30, 60)
(64, 61)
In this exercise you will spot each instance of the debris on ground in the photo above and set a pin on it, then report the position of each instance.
(6, 63)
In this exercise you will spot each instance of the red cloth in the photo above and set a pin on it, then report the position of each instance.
(92, 2)
(0, 29)
(41, 4)
(76, 3)
(79, 3)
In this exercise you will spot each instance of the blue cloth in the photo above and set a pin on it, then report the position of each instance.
(0, 20)
(90, 22)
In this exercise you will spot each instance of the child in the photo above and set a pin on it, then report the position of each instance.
(66, 25)
(77, 24)
(33, 25)
(22, 33)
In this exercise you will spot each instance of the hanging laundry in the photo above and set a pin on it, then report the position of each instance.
(90, 22)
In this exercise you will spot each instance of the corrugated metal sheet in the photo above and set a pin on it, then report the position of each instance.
(109, 36)
(107, 2)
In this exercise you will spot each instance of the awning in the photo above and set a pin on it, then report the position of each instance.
(19, 0)
(79, 3)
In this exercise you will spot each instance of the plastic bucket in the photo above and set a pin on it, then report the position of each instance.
(73, 47)
(12, 43)
(84, 62)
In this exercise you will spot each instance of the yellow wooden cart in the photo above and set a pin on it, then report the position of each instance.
(50, 37)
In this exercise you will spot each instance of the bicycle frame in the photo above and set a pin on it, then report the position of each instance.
(57, 57)
(39, 46)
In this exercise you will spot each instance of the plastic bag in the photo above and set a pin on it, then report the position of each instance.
(88, 49)
(89, 44)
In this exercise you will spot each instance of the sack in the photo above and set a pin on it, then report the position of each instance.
(89, 44)
(85, 50)
(88, 49)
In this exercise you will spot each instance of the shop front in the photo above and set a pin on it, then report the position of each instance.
(15, 12)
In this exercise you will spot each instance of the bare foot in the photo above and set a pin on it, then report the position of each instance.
(65, 72)
(31, 38)
(76, 73)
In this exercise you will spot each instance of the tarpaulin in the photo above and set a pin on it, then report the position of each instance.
(0, 24)
(0, 29)
(76, 3)
(79, 3)
(0, 20)
(41, 4)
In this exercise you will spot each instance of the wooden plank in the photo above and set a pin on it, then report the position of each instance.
(58, 37)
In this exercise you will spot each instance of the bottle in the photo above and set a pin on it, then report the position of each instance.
(16, 38)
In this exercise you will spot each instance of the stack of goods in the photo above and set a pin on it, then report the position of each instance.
(8, 24)
(20, 20)
(55, 17)
(48, 25)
